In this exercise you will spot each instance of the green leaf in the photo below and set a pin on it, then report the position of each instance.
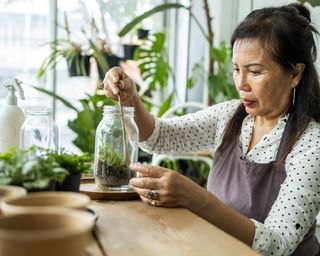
(313, 3)
(73, 125)
(220, 54)
(127, 28)
(37, 184)
(29, 166)
(57, 97)
(197, 72)
(5, 180)
(166, 105)
(99, 56)
(154, 66)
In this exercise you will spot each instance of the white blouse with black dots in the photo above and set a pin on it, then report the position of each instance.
(298, 202)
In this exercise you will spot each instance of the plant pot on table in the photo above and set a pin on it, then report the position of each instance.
(70, 183)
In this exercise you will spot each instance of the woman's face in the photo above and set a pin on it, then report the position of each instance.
(263, 85)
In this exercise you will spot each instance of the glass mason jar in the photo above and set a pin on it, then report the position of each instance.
(39, 129)
(111, 167)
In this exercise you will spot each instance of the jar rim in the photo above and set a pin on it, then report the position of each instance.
(115, 109)
(38, 111)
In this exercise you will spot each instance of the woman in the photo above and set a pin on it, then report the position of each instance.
(264, 187)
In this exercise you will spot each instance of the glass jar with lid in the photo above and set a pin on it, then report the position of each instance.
(116, 147)
(39, 129)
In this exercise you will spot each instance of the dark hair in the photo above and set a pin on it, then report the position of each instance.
(287, 32)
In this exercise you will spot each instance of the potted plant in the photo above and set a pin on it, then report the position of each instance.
(142, 33)
(128, 51)
(111, 168)
(218, 81)
(104, 57)
(50, 171)
(78, 59)
(75, 166)
(33, 173)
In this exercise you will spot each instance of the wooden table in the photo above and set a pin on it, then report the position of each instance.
(134, 228)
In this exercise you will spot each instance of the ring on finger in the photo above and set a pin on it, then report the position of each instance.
(153, 195)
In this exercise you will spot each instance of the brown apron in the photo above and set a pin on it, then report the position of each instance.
(252, 188)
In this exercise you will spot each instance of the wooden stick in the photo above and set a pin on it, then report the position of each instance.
(124, 134)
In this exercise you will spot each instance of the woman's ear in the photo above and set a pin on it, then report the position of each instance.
(297, 74)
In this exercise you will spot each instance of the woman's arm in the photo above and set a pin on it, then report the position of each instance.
(191, 132)
(197, 131)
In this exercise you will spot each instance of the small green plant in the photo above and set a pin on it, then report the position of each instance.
(35, 173)
(110, 157)
(111, 171)
(73, 163)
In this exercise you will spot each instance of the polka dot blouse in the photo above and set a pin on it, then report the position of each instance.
(298, 202)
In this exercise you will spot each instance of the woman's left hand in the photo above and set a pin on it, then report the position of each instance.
(162, 187)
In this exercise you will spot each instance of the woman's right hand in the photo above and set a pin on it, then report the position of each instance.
(117, 82)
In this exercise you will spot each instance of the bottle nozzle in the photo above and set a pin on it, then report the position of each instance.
(13, 85)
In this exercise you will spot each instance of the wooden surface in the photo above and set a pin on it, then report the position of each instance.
(96, 193)
(134, 228)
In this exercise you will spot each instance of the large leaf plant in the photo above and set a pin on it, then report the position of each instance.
(155, 70)
(219, 81)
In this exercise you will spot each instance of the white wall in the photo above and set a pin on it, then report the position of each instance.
(225, 18)
(315, 16)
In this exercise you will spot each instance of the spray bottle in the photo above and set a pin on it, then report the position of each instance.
(11, 116)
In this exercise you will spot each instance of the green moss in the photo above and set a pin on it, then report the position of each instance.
(110, 157)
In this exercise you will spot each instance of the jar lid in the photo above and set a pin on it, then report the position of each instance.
(115, 110)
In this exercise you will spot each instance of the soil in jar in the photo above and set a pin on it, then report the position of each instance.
(112, 176)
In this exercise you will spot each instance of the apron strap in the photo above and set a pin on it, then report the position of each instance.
(287, 131)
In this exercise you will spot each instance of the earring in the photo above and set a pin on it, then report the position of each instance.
(294, 96)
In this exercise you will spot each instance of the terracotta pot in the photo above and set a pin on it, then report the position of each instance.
(37, 234)
(44, 202)
(11, 192)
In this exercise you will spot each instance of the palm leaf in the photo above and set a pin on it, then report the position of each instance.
(153, 63)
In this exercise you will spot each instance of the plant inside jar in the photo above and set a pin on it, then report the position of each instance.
(111, 170)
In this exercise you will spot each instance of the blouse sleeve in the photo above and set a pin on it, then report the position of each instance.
(192, 132)
(298, 202)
